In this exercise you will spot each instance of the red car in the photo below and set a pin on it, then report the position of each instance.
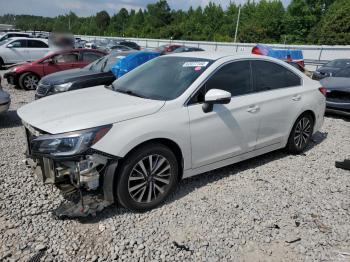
(165, 49)
(27, 76)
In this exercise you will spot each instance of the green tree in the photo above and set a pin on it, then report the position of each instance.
(102, 20)
(335, 25)
(298, 21)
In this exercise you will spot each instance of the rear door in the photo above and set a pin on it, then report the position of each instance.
(279, 99)
(61, 62)
(17, 52)
(229, 130)
(37, 49)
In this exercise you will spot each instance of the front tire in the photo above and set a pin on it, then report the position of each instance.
(301, 133)
(147, 177)
(28, 81)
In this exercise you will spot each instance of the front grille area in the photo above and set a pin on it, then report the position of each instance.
(338, 96)
(42, 89)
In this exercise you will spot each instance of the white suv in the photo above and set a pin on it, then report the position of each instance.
(173, 117)
(20, 49)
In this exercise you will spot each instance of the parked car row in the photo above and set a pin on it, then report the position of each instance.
(175, 48)
(28, 75)
(95, 73)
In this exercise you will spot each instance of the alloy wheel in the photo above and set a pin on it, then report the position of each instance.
(302, 132)
(31, 82)
(149, 178)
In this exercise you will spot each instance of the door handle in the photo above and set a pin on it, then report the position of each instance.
(296, 97)
(253, 109)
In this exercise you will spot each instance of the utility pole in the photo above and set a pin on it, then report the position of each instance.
(237, 23)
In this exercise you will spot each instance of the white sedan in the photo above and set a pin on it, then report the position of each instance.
(173, 117)
(22, 49)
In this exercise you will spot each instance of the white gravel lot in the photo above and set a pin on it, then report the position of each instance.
(276, 207)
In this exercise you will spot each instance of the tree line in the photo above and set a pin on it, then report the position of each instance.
(301, 22)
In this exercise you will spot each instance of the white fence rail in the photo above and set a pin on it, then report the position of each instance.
(314, 55)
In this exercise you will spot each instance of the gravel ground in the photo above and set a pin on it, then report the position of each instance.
(276, 207)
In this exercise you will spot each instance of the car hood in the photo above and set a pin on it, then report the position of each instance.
(4, 96)
(66, 76)
(85, 108)
(336, 83)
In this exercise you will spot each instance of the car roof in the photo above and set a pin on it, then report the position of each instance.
(20, 33)
(28, 38)
(61, 51)
(216, 55)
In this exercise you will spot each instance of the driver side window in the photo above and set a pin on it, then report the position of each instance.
(19, 43)
(66, 58)
(234, 78)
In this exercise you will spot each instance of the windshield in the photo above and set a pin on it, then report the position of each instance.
(343, 73)
(339, 63)
(3, 42)
(163, 78)
(104, 64)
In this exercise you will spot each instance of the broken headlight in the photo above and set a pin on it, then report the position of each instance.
(68, 144)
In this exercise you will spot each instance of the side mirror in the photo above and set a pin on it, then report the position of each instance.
(10, 46)
(51, 61)
(215, 96)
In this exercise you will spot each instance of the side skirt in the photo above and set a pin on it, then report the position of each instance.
(232, 160)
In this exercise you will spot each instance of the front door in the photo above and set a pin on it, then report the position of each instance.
(231, 129)
(18, 52)
(61, 62)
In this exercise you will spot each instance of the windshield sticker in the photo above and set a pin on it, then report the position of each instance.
(195, 64)
(198, 68)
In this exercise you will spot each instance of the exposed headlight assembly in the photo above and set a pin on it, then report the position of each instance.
(62, 87)
(68, 144)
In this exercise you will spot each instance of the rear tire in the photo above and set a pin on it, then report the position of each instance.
(28, 81)
(301, 133)
(147, 177)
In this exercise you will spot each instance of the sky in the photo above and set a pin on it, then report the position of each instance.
(91, 7)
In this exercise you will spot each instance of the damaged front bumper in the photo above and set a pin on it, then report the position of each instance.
(90, 174)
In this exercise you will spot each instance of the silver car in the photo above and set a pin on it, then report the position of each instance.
(4, 100)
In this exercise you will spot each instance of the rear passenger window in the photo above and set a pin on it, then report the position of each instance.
(36, 44)
(269, 75)
(90, 56)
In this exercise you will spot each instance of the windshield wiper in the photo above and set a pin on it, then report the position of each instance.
(129, 92)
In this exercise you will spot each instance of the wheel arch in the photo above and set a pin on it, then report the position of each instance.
(310, 112)
(31, 72)
(172, 145)
(307, 111)
(18, 76)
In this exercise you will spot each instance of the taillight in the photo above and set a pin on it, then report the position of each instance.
(323, 90)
